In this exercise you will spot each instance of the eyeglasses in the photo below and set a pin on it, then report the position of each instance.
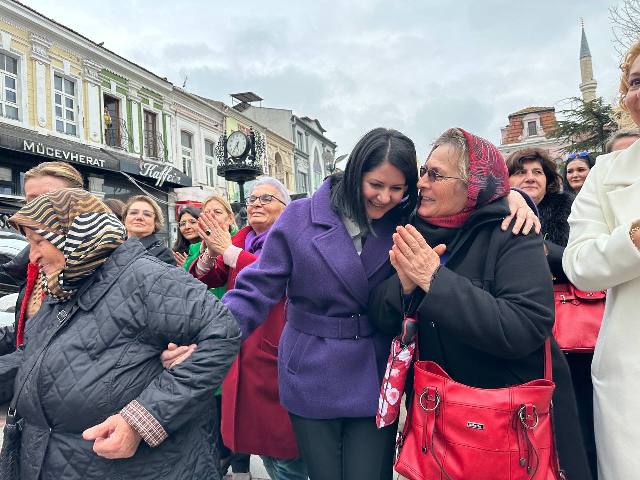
(145, 213)
(184, 223)
(264, 199)
(578, 155)
(434, 176)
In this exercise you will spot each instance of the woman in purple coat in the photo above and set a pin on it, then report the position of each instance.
(327, 252)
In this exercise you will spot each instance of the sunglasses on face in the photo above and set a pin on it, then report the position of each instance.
(184, 223)
(264, 199)
(578, 155)
(434, 176)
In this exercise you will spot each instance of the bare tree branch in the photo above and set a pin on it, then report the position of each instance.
(625, 25)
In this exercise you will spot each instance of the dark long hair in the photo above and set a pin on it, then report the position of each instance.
(587, 160)
(376, 147)
(182, 244)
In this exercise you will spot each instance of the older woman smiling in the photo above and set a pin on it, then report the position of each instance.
(485, 324)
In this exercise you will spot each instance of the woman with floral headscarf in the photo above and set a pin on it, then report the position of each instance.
(483, 296)
(88, 379)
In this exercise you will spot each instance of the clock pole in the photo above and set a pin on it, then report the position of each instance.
(240, 160)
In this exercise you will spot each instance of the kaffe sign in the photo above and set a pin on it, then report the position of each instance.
(161, 173)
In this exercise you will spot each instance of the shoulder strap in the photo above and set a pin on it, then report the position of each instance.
(548, 365)
(63, 317)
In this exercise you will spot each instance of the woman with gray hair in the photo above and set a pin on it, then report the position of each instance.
(253, 421)
(621, 139)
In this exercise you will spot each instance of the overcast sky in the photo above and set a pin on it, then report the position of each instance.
(419, 66)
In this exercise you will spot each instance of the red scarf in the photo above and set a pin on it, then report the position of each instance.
(488, 180)
(32, 275)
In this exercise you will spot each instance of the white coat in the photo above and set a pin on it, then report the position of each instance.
(600, 255)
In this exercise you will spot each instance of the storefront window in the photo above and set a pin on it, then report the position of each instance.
(6, 181)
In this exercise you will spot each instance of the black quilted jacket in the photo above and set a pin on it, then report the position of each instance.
(107, 355)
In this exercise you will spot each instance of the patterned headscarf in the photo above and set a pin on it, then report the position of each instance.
(79, 225)
(488, 180)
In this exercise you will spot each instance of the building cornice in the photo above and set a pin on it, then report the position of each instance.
(179, 108)
(307, 128)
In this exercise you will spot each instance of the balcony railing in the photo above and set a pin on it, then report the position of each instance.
(117, 135)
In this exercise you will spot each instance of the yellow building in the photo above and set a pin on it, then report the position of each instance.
(280, 159)
(66, 98)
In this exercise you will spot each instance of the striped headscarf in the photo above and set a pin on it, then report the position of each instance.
(79, 225)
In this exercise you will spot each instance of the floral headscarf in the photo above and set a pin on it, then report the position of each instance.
(488, 180)
(80, 226)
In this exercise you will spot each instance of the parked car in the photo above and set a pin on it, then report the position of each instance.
(11, 243)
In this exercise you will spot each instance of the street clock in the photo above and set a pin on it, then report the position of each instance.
(237, 144)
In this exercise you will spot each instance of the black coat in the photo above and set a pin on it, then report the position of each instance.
(554, 210)
(486, 317)
(158, 249)
(108, 355)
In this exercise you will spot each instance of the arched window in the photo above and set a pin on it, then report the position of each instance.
(186, 140)
(317, 169)
(279, 167)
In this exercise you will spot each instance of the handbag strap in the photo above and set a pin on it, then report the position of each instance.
(548, 365)
(63, 317)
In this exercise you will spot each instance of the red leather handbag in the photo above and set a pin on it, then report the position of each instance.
(457, 432)
(578, 317)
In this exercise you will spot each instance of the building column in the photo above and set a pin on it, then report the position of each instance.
(94, 110)
(42, 63)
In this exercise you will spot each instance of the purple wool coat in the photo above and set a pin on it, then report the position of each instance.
(330, 359)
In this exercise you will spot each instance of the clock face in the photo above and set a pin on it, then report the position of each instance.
(237, 144)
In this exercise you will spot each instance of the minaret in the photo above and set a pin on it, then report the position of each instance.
(588, 84)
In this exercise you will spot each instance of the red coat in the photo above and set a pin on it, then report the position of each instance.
(253, 421)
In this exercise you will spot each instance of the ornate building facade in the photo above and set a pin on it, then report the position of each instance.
(313, 151)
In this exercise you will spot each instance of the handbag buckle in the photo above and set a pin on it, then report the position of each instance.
(11, 416)
(434, 397)
(528, 415)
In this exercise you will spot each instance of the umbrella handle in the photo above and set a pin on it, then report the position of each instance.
(409, 329)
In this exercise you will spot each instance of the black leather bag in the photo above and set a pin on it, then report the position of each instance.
(10, 453)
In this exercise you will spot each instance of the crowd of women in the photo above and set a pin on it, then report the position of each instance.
(133, 360)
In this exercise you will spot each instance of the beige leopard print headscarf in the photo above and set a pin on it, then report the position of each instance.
(79, 225)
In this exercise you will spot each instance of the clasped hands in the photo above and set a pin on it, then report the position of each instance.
(414, 259)
(213, 235)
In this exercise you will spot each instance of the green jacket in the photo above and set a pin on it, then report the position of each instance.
(194, 252)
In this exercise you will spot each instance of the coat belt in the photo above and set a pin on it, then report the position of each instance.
(351, 327)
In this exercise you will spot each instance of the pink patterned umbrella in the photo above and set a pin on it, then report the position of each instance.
(401, 357)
